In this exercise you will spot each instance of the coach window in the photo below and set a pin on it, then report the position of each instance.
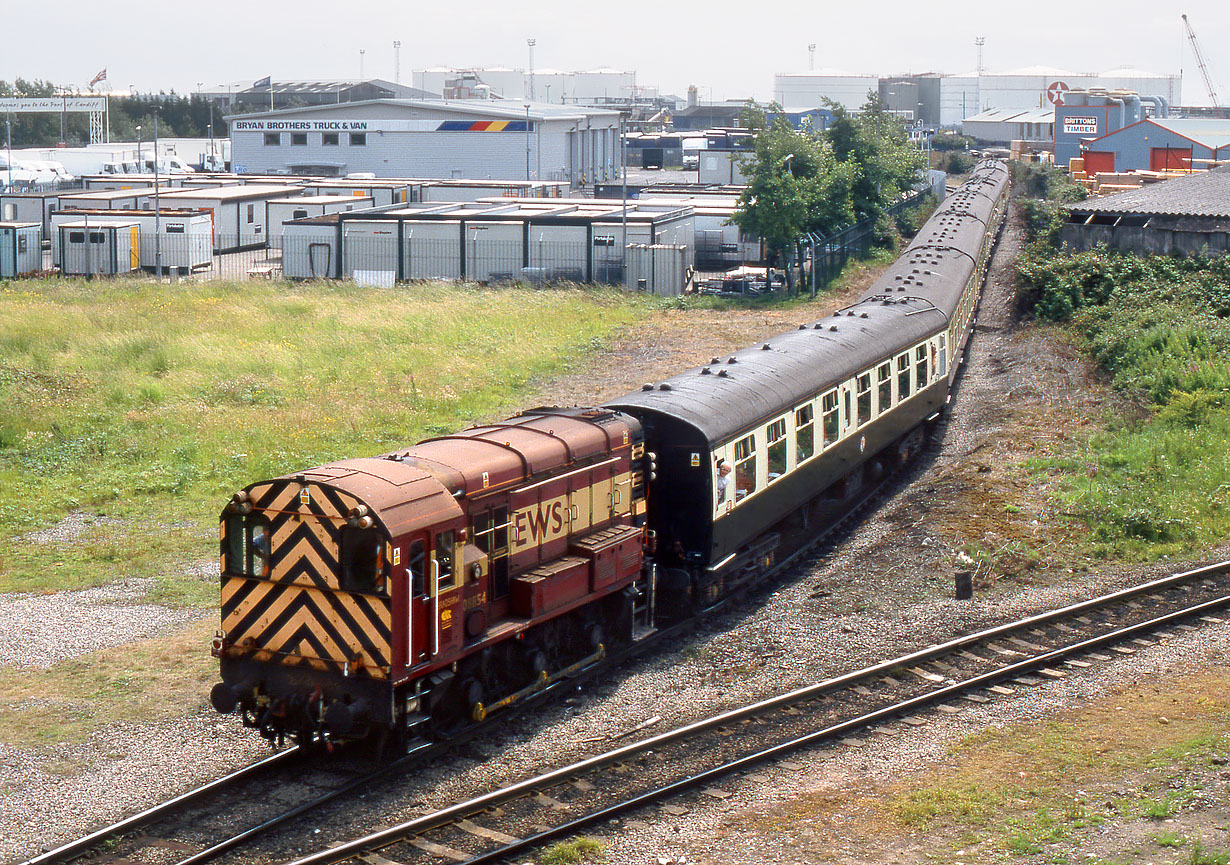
(804, 432)
(864, 398)
(745, 467)
(329, 139)
(777, 449)
(920, 367)
(903, 376)
(445, 578)
(358, 139)
(884, 375)
(362, 559)
(490, 535)
(828, 417)
(943, 354)
(298, 139)
(273, 139)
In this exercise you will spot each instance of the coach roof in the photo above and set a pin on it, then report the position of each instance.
(739, 392)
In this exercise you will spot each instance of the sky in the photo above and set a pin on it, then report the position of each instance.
(727, 49)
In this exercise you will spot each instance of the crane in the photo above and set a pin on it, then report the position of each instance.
(1204, 69)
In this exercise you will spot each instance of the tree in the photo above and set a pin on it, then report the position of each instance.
(875, 142)
(795, 185)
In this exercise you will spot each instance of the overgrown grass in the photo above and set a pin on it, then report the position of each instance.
(1156, 480)
(151, 403)
(572, 852)
(1026, 787)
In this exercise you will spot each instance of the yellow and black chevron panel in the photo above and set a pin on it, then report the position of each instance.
(305, 520)
(301, 625)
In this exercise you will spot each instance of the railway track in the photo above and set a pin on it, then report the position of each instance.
(199, 825)
(975, 668)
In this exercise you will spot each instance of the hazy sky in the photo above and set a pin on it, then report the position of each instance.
(728, 49)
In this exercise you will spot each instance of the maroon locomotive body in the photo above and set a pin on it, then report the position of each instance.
(429, 585)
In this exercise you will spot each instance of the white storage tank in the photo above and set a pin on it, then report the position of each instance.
(20, 250)
(90, 248)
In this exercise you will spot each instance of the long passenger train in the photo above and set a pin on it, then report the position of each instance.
(408, 594)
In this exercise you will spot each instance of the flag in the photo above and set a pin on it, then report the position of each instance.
(101, 76)
(267, 81)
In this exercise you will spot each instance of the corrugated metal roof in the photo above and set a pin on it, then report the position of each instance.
(1206, 193)
(1013, 115)
(1208, 131)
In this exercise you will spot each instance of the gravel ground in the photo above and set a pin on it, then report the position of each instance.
(884, 591)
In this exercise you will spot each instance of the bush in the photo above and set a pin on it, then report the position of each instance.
(944, 141)
(1041, 180)
(956, 162)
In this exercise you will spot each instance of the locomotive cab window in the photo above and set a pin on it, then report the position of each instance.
(416, 568)
(362, 560)
(884, 374)
(247, 545)
(490, 533)
(920, 367)
(828, 417)
(805, 432)
(745, 467)
(903, 376)
(777, 449)
(446, 578)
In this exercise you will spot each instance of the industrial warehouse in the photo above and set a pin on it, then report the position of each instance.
(429, 138)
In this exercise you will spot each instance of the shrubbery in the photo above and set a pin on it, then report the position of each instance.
(1159, 327)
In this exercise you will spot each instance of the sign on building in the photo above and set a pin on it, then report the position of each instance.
(28, 104)
(1078, 124)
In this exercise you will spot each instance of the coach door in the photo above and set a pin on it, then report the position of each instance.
(419, 638)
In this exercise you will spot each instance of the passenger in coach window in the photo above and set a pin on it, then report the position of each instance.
(723, 479)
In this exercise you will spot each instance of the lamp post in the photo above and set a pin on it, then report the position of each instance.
(362, 51)
(140, 162)
(527, 141)
(157, 207)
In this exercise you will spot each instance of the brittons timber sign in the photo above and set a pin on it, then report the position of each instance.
(1080, 124)
(27, 104)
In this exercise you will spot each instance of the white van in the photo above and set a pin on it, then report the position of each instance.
(691, 152)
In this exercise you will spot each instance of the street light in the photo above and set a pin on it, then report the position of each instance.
(527, 141)
(157, 206)
(140, 163)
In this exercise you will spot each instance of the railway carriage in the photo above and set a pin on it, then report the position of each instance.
(410, 593)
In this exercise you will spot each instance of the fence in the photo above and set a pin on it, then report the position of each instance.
(93, 250)
(820, 259)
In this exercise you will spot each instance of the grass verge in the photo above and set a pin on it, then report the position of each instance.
(1155, 480)
(149, 404)
(1128, 773)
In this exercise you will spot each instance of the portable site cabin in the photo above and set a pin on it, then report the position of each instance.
(184, 245)
(109, 199)
(30, 207)
(486, 241)
(91, 248)
(238, 211)
(20, 249)
(105, 182)
(382, 191)
(474, 190)
(281, 210)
